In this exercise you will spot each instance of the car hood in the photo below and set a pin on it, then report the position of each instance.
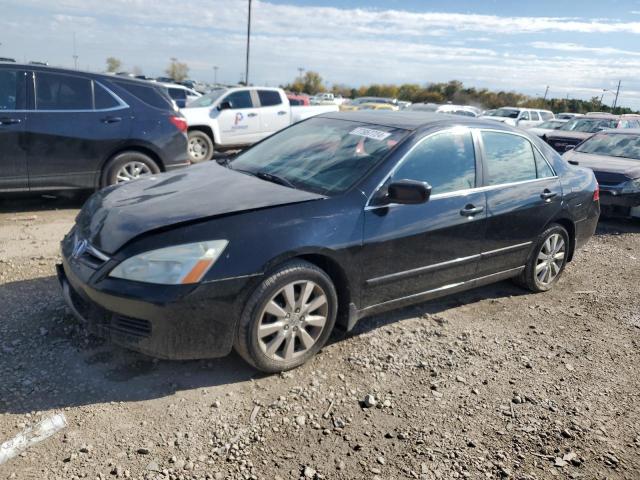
(116, 215)
(196, 115)
(608, 170)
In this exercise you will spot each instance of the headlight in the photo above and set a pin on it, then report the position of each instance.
(182, 264)
(632, 186)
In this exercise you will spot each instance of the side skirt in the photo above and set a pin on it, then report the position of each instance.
(355, 315)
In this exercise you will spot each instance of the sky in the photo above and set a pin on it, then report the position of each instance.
(580, 49)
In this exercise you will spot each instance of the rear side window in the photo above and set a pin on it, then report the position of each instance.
(508, 158)
(11, 90)
(177, 93)
(146, 93)
(546, 115)
(542, 167)
(269, 98)
(534, 116)
(103, 99)
(446, 161)
(239, 99)
(63, 92)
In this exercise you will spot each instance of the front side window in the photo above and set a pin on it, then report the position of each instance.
(508, 158)
(269, 98)
(239, 99)
(63, 92)
(10, 90)
(321, 155)
(524, 116)
(446, 161)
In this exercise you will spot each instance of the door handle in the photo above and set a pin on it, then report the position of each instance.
(282, 112)
(111, 119)
(547, 195)
(252, 114)
(9, 121)
(471, 210)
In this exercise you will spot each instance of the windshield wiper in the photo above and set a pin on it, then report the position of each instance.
(270, 177)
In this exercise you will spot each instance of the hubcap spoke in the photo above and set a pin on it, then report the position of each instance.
(276, 310)
(307, 290)
(315, 304)
(275, 343)
(290, 296)
(289, 346)
(306, 339)
(315, 320)
(270, 328)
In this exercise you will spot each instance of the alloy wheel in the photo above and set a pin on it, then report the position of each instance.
(292, 320)
(132, 170)
(198, 149)
(550, 259)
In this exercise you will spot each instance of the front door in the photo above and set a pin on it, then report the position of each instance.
(75, 125)
(13, 160)
(523, 196)
(411, 249)
(239, 123)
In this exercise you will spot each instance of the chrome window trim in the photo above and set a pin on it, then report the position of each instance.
(468, 191)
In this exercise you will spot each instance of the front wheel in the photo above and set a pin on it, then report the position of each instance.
(547, 261)
(200, 146)
(288, 318)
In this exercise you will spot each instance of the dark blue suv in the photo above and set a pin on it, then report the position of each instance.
(63, 129)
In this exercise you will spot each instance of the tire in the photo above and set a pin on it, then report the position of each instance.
(200, 146)
(128, 164)
(533, 278)
(282, 331)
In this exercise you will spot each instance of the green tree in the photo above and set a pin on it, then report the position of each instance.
(177, 70)
(113, 64)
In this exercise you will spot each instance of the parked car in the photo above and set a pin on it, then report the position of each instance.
(423, 107)
(463, 110)
(568, 116)
(181, 95)
(235, 118)
(298, 100)
(547, 127)
(355, 103)
(520, 117)
(575, 131)
(614, 156)
(7, 60)
(322, 224)
(378, 106)
(64, 129)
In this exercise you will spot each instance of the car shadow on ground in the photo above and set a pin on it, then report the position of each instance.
(29, 202)
(49, 362)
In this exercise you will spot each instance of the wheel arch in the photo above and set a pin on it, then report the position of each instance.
(570, 227)
(206, 129)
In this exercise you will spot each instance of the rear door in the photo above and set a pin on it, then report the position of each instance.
(13, 158)
(412, 249)
(523, 196)
(274, 112)
(75, 126)
(239, 124)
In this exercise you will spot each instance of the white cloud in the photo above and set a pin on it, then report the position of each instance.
(574, 47)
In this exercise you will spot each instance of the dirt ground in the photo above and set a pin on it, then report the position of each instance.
(493, 383)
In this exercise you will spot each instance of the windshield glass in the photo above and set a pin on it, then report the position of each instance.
(321, 155)
(588, 125)
(208, 99)
(506, 112)
(551, 124)
(612, 145)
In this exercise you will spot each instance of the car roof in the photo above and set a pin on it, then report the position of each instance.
(413, 120)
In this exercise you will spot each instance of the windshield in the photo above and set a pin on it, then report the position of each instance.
(321, 155)
(588, 125)
(551, 124)
(208, 99)
(612, 145)
(506, 112)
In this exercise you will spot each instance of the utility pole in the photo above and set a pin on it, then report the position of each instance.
(246, 72)
(215, 75)
(615, 102)
(75, 54)
(546, 92)
(300, 71)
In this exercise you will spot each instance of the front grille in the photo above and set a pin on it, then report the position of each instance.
(134, 327)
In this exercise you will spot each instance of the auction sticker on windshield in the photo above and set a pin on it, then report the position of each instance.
(370, 133)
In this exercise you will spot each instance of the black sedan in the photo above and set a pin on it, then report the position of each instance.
(614, 156)
(326, 222)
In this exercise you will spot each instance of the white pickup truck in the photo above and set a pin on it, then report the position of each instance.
(234, 118)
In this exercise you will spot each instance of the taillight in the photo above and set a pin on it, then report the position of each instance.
(596, 194)
(179, 122)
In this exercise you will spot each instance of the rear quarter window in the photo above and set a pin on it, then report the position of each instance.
(148, 94)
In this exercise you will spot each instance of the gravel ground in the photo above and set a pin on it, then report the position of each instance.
(493, 383)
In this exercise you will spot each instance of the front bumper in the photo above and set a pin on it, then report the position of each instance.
(166, 323)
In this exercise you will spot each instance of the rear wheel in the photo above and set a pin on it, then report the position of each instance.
(288, 318)
(127, 166)
(200, 146)
(547, 261)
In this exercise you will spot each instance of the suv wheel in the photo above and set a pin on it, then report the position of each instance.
(548, 260)
(288, 318)
(200, 146)
(127, 166)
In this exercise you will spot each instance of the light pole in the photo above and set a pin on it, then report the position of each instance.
(546, 92)
(215, 75)
(75, 55)
(300, 71)
(615, 102)
(246, 72)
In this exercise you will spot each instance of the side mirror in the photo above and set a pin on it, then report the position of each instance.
(574, 162)
(408, 192)
(224, 106)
